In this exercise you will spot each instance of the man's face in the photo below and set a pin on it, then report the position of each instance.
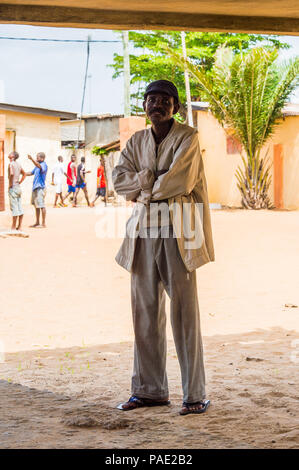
(159, 107)
(73, 158)
(39, 158)
(60, 159)
(11, 158)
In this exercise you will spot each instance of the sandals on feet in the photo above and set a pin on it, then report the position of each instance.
(136, 402)
(188, 407)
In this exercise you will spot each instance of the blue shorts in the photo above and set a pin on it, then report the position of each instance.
(81, 186)
(71, 189)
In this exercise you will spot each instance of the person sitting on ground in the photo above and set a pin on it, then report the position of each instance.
(80, 183)
(101, 184)
(14, 190)
(39, 188)
(57, 176)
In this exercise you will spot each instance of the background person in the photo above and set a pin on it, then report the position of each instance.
(80, 183)
(71, 178)
(57, 180)
(101, 183)
(14, 190)
(39, 188)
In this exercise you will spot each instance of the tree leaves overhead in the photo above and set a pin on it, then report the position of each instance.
(152, 61)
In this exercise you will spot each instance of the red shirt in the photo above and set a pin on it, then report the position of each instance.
(101, 175)
(69, 180)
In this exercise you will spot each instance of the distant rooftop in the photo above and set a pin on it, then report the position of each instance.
(101, 116)
(291, 109)
(34, 110)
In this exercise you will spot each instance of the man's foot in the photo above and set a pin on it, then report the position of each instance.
(92, 204)
(195, 408)
(135, 402)
(34, 225)
(56, 207)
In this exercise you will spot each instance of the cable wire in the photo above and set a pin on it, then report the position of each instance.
(58, 40)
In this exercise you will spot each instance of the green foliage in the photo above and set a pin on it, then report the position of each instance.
(102, 152)
(153, 62)
(246, 93)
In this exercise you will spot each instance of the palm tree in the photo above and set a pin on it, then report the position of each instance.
(246, 93)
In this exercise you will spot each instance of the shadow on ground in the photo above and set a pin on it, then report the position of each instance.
(67, 398)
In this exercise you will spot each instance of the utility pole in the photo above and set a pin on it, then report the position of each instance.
(127, 107)
(84, 87)
(187, 83)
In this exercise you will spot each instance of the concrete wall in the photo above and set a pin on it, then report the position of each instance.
(101, 131)
(128, 126)
(32, 133)
(287, 134)
(220, 167)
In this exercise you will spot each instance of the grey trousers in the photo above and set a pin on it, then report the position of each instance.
(157, 267)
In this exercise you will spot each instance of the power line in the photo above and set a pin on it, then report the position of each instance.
(58, 40)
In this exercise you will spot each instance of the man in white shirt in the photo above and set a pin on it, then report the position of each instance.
(57, 180)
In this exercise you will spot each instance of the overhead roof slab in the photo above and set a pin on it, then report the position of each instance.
(255, 16)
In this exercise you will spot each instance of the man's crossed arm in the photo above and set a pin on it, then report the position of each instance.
(145, 186)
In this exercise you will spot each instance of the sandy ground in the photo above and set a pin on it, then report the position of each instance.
(66, 338)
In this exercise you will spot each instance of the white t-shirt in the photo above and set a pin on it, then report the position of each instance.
(58, 171)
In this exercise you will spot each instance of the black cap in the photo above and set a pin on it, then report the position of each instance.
(162, 86)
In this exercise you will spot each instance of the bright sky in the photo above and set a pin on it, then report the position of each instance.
(51, 75)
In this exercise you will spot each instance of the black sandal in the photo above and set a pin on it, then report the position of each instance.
(136, 402)
(205, 405)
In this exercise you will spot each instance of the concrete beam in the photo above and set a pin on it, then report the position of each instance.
(118, 19)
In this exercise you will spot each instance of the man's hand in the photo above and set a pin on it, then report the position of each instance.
(29, 157)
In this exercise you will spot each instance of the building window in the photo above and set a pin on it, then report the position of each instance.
(233, 146)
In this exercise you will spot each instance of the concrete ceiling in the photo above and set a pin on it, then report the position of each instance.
(267, 16)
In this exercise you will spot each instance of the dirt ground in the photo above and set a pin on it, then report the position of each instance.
(66, 338)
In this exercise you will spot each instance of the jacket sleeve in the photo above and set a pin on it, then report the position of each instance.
(183, 173)
(127, 180)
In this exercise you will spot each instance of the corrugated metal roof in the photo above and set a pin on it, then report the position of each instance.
(101, 116)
